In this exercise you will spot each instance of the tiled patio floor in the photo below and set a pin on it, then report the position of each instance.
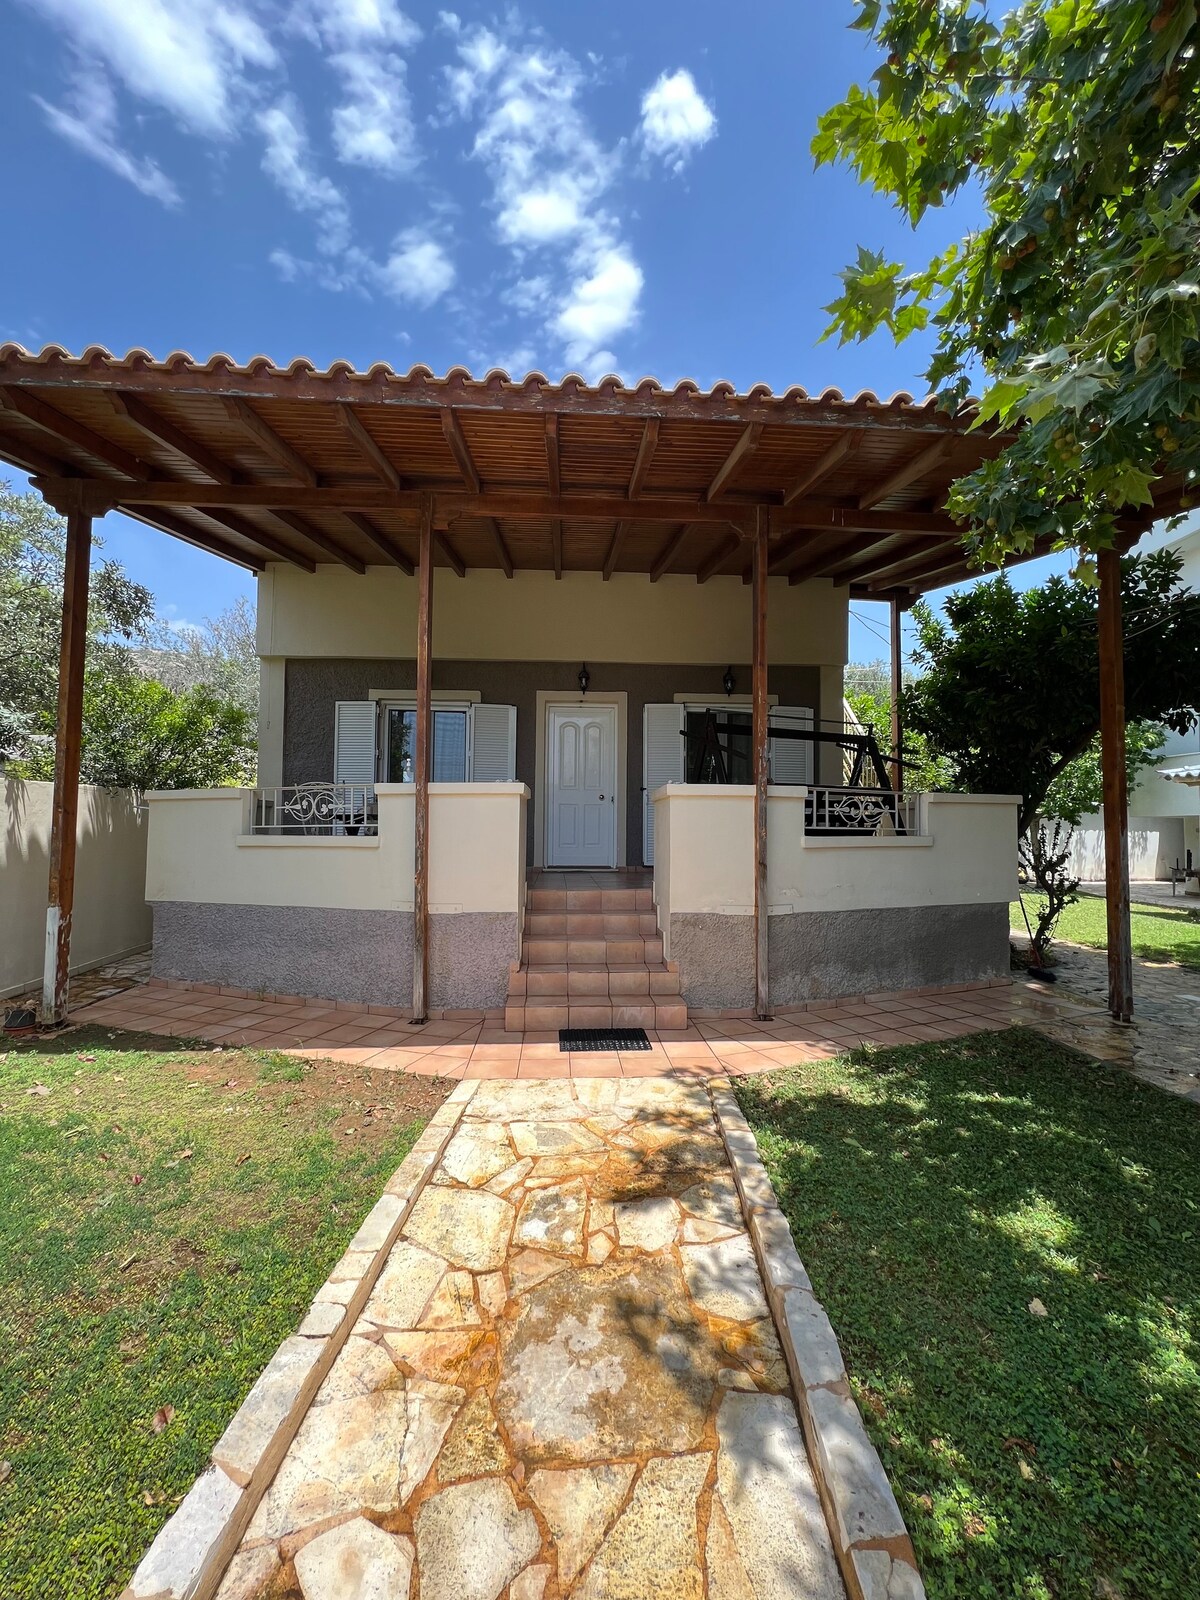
(482, 1049)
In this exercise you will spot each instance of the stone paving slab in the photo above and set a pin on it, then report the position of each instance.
(557, 1388)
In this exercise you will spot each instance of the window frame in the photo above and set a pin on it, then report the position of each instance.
(409, 703)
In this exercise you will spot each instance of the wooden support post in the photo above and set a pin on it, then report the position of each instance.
(758, 675)
(422, 764)
(897, 684)
(68, 735)
(1115, 788)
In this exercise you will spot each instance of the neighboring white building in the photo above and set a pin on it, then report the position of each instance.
(1164, 816)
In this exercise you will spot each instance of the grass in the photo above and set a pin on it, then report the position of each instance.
(166, 1215)
(935, 1192)
(1159, 933)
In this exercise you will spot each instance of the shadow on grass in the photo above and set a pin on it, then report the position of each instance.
(936, 1193)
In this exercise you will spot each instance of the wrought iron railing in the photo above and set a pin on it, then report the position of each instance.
(867, 813)
(315, 809)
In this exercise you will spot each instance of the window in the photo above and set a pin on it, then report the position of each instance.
(449, 744)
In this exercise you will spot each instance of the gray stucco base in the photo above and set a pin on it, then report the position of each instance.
(822, 955)
(335, 954)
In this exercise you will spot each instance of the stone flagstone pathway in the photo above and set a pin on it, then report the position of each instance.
(566, 1381)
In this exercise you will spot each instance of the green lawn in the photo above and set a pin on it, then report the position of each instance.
(1159, 933)
(935, 1192)
(165, 1217)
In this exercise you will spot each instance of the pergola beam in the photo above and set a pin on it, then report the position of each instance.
(100, 495)
(554, 475)
(502, 551)
(913, 566)
(897, 607)
(668, 552)
(823, 465)
(250, 530)
(868, 551)
(820, 554)
(452, 429)
(32, 460)
(760, 744)
(35, 410)
(380, 540)
(368, 446)
(717, 559)
(68, 741)
(1115, 782)
(620, 529)
(135, 409)
(553, 465)
(292, 462)
(210, 542)
(908, 472)
(746, 444)
(331, 547)
(645, 456)
(453, 559)
(422, 764)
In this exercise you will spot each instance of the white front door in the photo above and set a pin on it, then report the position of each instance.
(581, 806)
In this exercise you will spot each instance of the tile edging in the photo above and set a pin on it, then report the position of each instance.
(193, 1559)
(870, 1540)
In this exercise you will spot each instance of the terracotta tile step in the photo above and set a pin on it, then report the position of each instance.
(620, 985)
(591, 925)
(630, 952)
(561, 901)
(550, 1015)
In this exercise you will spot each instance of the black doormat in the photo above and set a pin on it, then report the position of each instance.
(603, 1039)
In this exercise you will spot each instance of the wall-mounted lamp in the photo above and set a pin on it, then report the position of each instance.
(729, 682)
(585, 678)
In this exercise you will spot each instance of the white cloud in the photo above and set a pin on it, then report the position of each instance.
(373, 127)
(287, 159)
(676, 118)
(551, 178)
(91, 126)
(188, 57)
(352, 24)
(602, 302)
(417, 270)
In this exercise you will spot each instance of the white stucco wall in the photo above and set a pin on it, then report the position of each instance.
(533, 617)
(963, 854)
(111, 917)
(201, 852)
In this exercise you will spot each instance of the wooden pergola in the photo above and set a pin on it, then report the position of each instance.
(260, 463)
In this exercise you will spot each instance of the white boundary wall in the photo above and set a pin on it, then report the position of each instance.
(201, 851)
(964, 853)
(111, 916)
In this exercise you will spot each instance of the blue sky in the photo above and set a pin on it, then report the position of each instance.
(624, 187)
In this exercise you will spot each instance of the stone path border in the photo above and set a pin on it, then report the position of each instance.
(191, 1552)
(870, 1540)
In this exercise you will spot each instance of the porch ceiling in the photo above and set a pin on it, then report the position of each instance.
(260, 463)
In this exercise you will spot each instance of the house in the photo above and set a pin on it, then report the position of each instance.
(1164, 816)
(552, 685)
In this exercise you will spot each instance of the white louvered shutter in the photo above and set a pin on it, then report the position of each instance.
(791, 759)
(662, 762)
(354, 742)
(493, 743)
